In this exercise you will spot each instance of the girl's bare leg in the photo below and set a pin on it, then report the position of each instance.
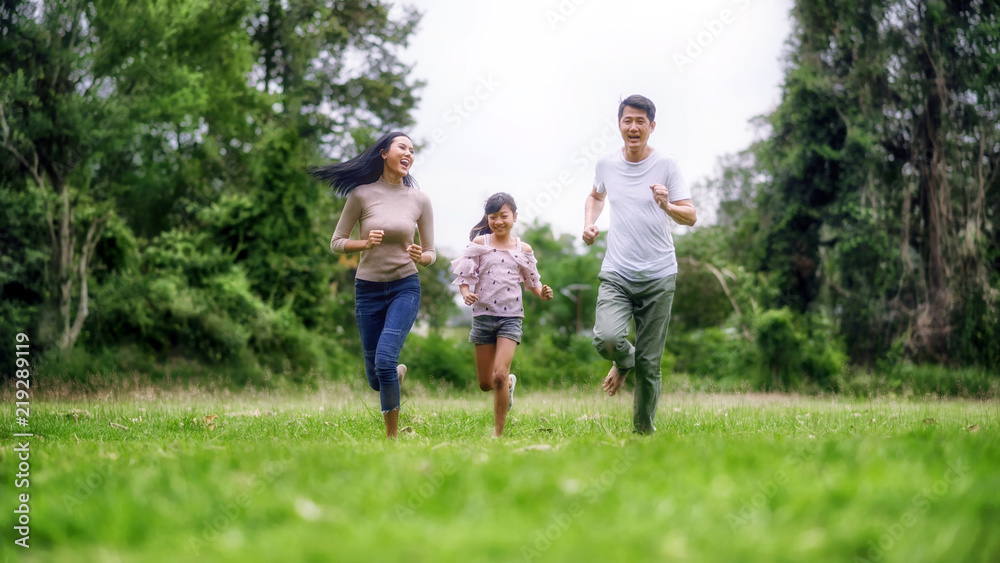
(505, 349)
(485, 354)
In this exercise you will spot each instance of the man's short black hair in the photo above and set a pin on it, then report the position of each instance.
(640, 103)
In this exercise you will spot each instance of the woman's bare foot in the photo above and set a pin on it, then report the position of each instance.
(401, 372)
(613, 382)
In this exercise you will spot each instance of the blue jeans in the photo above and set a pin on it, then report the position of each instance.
(385, 312)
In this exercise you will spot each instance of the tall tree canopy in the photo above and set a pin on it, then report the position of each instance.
(876, 190)
(187, 127)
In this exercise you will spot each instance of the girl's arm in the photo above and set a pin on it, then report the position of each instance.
(543, 292)
(466, 270)
(467, 295)
(531, 278)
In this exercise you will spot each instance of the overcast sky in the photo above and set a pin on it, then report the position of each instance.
(522, 95)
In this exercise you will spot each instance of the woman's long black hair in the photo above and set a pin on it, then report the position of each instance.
(493, 204)
(363, 169)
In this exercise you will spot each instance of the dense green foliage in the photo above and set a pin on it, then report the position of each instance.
(860, 233)
(157, 215)
(874, 195)
(153, 178)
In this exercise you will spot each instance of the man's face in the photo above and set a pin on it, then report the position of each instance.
(635, 127)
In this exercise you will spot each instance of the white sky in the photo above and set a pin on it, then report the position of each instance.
(522, 95)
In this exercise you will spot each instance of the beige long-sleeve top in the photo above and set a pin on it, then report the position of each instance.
(395, 209)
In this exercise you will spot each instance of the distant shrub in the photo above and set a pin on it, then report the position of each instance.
(560, 360)
(919, 380)
(435, 358)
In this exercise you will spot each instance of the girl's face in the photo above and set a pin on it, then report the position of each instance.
(502, 221)
(399, 156)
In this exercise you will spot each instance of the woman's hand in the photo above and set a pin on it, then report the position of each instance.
(416, 254)
(374, 238)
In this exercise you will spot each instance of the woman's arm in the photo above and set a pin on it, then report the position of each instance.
(341, 243)
(424, 253)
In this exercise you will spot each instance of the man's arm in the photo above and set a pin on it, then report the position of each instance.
(591, 211)
(682, 211)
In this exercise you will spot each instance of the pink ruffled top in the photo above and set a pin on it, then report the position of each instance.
(494, 274)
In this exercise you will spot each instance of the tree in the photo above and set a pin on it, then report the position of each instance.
(136, 124)
(877, 186)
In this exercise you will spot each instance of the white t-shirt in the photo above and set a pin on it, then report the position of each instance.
(640, 247)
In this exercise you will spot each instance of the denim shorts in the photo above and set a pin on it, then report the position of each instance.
(486, 329)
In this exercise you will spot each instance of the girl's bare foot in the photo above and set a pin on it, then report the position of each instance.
(613, 382)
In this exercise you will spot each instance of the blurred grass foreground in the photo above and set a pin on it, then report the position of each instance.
(197, 474)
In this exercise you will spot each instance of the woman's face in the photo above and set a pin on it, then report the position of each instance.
(399, 156)
(502, 221)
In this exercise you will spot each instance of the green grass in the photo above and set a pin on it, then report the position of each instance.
(305, 476)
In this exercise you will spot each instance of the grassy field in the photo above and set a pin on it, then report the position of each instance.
(207, 475)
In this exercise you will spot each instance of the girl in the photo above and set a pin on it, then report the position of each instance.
(495, 262)
(385, 201)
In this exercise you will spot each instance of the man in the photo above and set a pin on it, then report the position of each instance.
(638, 276)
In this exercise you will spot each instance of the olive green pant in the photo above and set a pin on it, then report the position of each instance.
(649, 303)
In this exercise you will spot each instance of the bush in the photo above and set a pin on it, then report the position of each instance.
(438, 359)
(185, 303)
(559, 360)
(716, 353)
(924, 379)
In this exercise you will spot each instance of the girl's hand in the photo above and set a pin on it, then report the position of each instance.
(416, 254)
(546, 293)
(470, 298)
(374, 238)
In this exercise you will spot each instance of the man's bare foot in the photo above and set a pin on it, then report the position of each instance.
(401, 372)
(613, 382)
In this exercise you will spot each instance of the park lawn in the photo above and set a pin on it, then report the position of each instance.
(305, 476)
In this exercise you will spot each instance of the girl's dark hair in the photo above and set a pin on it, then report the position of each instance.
(493, 204)
(365, 168)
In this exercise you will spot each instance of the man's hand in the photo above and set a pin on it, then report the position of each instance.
(661, 194)
(590, 234)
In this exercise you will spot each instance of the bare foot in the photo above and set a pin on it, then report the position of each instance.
(401, 372)
(613, 382)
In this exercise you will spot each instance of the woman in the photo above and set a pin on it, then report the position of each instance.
(385, 200)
